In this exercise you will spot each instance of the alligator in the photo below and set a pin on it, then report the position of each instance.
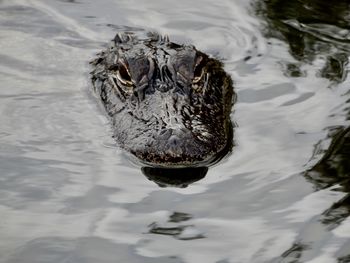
(169, 104)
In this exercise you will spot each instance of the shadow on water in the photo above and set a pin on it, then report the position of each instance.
(311, 28)
(174, 177)
(333, 170)
(314, 29)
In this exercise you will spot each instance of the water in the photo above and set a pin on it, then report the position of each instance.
(67, 194)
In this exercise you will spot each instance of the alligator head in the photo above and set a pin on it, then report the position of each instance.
(169, 104)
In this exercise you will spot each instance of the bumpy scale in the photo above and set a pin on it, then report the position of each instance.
(169, 104)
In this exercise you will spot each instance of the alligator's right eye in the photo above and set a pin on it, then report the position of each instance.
(123, 75)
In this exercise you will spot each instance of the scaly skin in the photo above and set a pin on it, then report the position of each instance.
(169, 104)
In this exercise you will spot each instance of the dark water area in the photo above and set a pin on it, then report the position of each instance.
(69, 194)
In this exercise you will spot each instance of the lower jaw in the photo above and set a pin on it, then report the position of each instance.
(177, 162)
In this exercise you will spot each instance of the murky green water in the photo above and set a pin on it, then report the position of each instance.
(67, 194)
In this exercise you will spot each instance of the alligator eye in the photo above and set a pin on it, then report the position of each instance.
(198, 70)
(123, 75)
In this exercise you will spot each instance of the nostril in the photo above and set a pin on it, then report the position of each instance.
(174, 140)
(174, 145)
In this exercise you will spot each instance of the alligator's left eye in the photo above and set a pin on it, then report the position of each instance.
(198, 72)
(123, 75)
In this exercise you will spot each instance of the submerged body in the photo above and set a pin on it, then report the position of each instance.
(169, 104)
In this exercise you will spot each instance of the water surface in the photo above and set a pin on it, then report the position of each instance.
(68, 194)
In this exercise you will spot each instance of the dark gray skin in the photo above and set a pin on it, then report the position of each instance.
(169, 104)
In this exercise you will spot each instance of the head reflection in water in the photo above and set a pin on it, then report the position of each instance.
(174, 177)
